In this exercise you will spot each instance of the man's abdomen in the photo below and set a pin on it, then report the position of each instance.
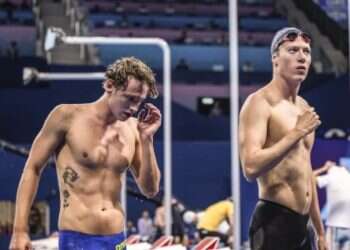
(294, 193)
(94, 219)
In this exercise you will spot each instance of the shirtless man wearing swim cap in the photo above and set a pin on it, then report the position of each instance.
(276, 135)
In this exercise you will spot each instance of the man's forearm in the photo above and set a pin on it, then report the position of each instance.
(265, 159)
(315, 211)
(320, 171)
(149, 172)
(26, 192)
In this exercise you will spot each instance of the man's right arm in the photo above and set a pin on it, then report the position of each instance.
(256, 159)
(44, 145)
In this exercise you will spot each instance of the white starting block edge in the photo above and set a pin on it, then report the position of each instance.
(47, 244)
(146, 246)
(173, 247)
(139, 246)
(225, 248)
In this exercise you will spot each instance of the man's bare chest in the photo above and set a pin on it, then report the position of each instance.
(282, 121)
(93, 145)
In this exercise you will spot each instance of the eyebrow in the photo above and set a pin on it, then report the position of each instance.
(135, 95)
(296, 46)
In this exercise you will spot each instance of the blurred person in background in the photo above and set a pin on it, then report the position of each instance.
(336, 180)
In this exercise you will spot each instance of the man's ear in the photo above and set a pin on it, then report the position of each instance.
(108, 86)
(274, 59)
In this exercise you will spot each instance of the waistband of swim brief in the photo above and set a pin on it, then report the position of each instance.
(120, 235)
(275, 204)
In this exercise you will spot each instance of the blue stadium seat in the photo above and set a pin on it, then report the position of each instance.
(24, 16)
(197, 57)
(259, 24)
(24, 36)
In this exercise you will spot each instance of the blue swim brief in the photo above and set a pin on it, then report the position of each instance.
(71, 240)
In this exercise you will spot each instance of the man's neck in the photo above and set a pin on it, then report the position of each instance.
(286, 90)
(103, 112)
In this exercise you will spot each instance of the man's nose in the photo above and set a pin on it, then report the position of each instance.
(134, 108)
(301, 58)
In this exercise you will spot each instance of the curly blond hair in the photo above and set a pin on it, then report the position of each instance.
(119, 71)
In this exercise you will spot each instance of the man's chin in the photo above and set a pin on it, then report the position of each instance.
(302, 76)
(299, 78)
(123, 117)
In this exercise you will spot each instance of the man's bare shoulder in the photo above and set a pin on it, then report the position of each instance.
(62, 114)
(64, 110)
(257, 100)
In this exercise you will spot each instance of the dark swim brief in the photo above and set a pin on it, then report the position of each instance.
(276, 227)
(71, 240)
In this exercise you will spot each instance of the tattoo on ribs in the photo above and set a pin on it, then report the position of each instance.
(65, 198)
(70, 176)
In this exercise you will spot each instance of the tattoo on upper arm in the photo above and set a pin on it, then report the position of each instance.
(69, 177)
